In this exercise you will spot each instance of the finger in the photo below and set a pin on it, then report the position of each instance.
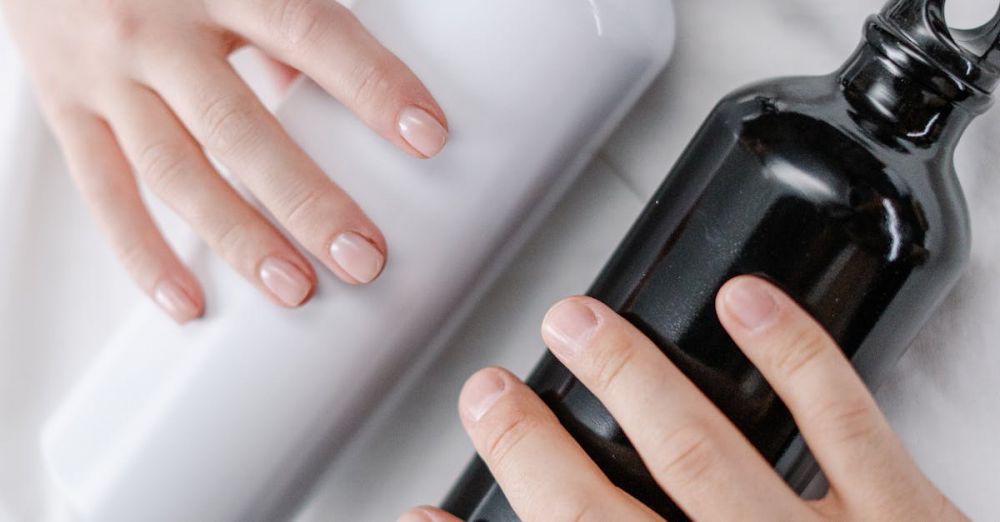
(543, 472)
(105, 180)
(427, 514)
(324, 40)
(230, 122)
(838, 417)
(174, 167)
(691, 449)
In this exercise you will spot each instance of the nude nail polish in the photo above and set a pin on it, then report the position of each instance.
(422, 131)
(175, 302)
(285, 281)
(357, 256)
(530, 117)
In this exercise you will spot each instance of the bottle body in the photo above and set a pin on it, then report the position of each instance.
(233, 417)
(798, 181)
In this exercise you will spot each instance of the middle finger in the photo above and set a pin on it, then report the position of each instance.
(232, 124)
(173, 166)
(689, 446)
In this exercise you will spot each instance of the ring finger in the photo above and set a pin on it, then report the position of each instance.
(169, 161)
(224, 115)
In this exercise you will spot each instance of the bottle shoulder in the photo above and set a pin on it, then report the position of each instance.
(787, 132)
(805, 120)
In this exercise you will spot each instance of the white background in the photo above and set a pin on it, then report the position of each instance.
(61, 293)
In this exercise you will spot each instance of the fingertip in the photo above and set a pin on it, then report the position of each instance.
(358, 259)
(481, 392)
(415, 515)
(180, 299)
(424, 131)
(426, 514)
(570, 325)
(287, 281)
(749, 303)
(595, 306)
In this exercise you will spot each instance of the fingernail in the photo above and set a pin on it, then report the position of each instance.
(751, 303)
(569, 327)
(481, 393)
(172, 298)
(422, 131)
(285, 281)
(358, 257)
(415, 515)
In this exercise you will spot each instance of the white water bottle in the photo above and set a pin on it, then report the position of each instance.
(232, 418)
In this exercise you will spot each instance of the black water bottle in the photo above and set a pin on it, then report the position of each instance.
(840, 189)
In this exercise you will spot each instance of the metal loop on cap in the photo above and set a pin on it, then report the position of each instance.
(983, 41)
(972, 55)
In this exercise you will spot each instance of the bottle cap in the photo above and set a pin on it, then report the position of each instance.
(971, 56)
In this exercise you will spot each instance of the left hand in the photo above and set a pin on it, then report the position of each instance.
(710, 470)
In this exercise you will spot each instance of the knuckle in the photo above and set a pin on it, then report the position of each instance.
(297, 21)
(229, 124)
(61, 109)
(805, 349)
(160, 165)
(611, 363)
(233, 239)
(303, 209)
(686, 456)
(135, 257)
(847, 421)
(513, 426)
(578, 507)
(371, 84)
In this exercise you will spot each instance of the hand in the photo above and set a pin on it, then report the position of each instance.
(692, 450)
(144, 86)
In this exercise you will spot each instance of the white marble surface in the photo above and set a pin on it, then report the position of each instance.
(61, 293)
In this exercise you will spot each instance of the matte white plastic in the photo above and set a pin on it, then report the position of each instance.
(232, 418)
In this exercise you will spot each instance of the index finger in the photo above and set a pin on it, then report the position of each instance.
(849, 436)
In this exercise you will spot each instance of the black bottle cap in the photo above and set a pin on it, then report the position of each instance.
(971, 56)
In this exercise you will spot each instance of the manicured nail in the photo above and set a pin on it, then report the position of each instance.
(175, 302)
(481, 393)
(285, 281)
(416, 515)
(751, 303)
(422, 131)
(358, 257)
(569, 327)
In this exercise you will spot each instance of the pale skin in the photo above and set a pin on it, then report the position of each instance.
(141, 92)
(692, 450)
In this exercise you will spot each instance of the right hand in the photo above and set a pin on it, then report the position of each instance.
(692, 450)
(143, 86)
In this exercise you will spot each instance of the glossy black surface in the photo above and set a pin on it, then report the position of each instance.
(840, 189)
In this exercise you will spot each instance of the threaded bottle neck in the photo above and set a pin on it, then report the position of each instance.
(904, 94)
